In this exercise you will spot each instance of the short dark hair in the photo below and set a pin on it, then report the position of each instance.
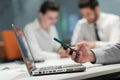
(49, 5)
(92, 4)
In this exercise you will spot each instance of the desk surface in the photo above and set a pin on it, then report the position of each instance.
(21, 74)
(89, 73)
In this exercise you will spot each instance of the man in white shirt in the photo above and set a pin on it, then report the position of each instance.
(41, 32)
(96, 29)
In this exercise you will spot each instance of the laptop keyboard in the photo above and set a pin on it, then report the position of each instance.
(59, 67)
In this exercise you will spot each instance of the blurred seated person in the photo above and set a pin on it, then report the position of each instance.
(41, 32)
(96, 29)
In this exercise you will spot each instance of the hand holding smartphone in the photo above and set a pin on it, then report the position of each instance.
(66, 46)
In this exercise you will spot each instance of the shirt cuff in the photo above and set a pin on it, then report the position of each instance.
(99, 54)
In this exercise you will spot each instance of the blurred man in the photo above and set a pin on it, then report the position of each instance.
(40, 33)
(96, 29)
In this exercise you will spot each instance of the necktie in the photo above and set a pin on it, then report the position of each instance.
(96, 32)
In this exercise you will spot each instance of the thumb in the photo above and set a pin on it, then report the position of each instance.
(81, 46)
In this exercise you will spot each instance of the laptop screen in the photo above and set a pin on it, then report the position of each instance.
(24, 47)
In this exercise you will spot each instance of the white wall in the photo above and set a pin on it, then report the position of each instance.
(110, 6)
(25, 11)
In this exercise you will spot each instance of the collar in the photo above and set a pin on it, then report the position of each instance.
(36, 23)
(38, 27)
(100, 18)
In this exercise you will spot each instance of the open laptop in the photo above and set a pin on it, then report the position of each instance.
(29, 60)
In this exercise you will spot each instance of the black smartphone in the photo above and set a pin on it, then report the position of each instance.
(66, 46)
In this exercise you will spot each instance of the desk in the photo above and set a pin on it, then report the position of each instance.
(21, 74)
(91, 72)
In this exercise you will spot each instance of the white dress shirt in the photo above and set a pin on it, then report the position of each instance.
(41, 42)
(108, 29)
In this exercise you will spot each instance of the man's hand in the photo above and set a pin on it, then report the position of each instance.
(85, 55)
(90, 45)
(64, 53)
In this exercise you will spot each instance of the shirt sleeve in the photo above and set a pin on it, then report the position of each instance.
(37, 52)
(55, 34)
(77, 34)
(114, 35)
(108, 54)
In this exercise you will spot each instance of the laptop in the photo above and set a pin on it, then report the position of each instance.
(30, 62)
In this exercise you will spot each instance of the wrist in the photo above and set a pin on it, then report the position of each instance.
(92, 57)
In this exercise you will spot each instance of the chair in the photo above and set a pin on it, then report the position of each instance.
(11, 45)
(2, 51)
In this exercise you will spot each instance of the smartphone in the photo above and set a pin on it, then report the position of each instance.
(66, 46)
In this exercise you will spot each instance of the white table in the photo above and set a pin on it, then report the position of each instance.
(91, 72)
(22, 74)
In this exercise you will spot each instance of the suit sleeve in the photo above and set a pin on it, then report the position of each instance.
(55, 34)
(108, 54)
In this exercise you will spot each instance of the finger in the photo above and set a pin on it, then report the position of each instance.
(61, 51)
(76, 48)
(68, 51)
(76, 59)
(79, 46)
(82, 47)
(73, 56)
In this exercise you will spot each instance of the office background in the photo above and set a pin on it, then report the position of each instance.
(21, 12)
